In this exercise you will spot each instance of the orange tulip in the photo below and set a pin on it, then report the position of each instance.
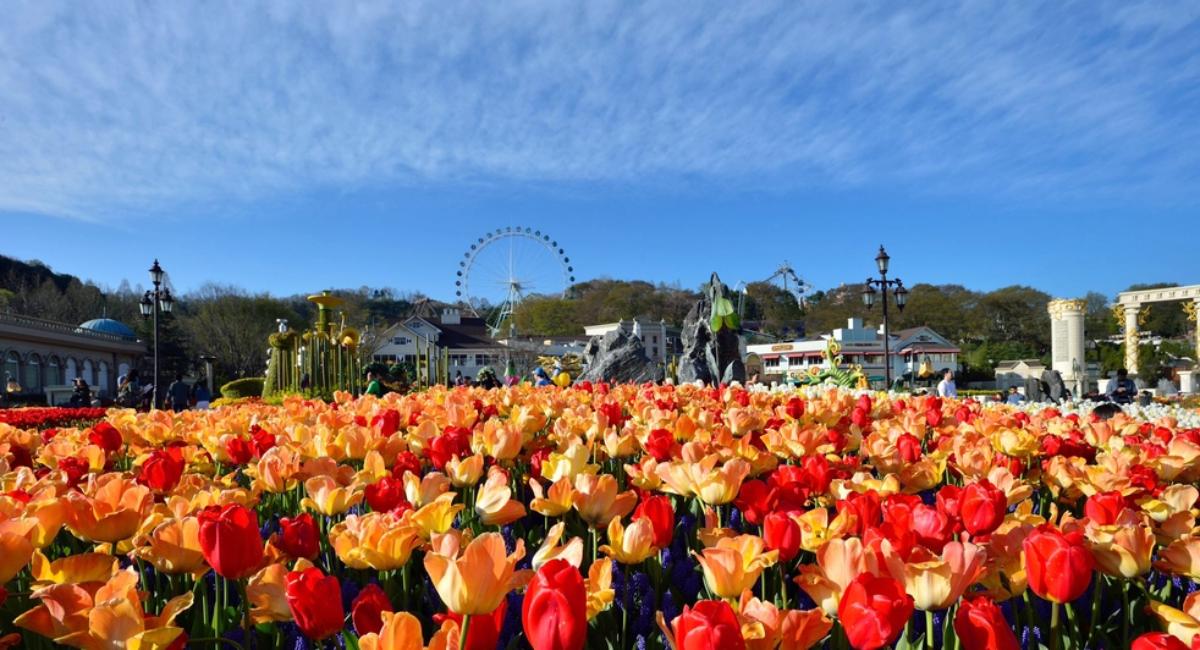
(1182, 624)
(110, 511)
(555, 502)
(267, 593)
(475, 581)
(936, 582)
(465, 472)
(400, 631)
(79, 569)
(599, 587)
(1181, 558)
(494, 503)
(734, 564)
(597, 500)
(329, 498)
(437, 517)
(1121, 551)
(174, 546)
(572, 551)
(839, 562)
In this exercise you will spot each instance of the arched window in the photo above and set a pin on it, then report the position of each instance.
(102, 376)
(53, 372)
(12, 367)
(87, 373)
(72, 371)
(122, 371)
(33, 373)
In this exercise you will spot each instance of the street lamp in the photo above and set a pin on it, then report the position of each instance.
(869, 294)
(153, 302)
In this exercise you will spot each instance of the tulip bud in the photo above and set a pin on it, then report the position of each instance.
(982, 507)
(980, 624)
(1059, 566)
(230, 540)
(366, 612)
(662, 517)
(315, 601)
(782, 533)
(554, 615)
(710, 624)
(873, 611)
(298, 536)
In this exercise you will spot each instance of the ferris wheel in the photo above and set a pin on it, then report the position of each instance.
(506, 265)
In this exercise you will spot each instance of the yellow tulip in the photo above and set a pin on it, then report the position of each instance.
(328, 497)
(465, 472)
(599, 587)
(839, 562)
(935, 582)
(632, 545)
(377, 540)
(15, 551)
(597, 500)
(554, 503)
(734, 564)
(568, 464)
(572, 551)
(1182, 624)
(437, 516)
(82, 568)
(475, 581)
(174, 546)
(426, 489)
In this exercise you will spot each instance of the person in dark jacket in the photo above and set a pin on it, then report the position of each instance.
(178, 393)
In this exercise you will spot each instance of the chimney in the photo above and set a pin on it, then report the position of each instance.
(450, 316)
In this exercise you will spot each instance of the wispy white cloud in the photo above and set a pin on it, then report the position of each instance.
(118, 108)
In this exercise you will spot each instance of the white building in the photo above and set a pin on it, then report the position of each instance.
(861, 345)
(661, 341)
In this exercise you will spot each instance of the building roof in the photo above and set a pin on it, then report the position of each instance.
(109, 326)
(1013, 363)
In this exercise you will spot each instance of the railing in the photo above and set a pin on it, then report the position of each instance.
(55, 326)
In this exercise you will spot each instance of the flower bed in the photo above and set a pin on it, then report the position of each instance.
(602, 517)
(48, 417)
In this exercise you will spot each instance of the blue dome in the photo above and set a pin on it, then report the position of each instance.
(109, 326)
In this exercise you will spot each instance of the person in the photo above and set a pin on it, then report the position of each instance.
(486, 378)
(82, 396)
(1122, 390)
(998, 397)
(1014, 396)
(201, 395)
(459, 380)
(374, 386)
(178, 393)
(12, 386)
(946, 387)
(128, 390)
(540, 377)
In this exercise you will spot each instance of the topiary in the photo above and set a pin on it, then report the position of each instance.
(244, 387)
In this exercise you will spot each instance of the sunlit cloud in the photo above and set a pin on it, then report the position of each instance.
(118, 109)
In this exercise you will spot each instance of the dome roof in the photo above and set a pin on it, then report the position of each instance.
(109, 326)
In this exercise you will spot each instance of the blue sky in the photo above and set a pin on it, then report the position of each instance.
(287, 147)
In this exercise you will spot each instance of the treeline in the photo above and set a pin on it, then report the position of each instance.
(232, 324)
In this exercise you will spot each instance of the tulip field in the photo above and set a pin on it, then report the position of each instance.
(597, 516)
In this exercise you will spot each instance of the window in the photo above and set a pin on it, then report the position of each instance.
(771, 363)
(400, 340)
(33, 373)
(654, 339)
(12, 367)
(53, 377)
(654, 350)
(481, 359)
(458, 359)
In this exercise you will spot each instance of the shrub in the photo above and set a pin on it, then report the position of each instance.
(244, 387)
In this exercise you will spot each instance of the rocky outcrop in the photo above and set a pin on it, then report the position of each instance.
(711, 356)
(619, 356)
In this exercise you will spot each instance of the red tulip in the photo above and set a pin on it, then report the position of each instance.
(1059, 566)
(932, 527)
(782, 533)
(866, 508)
(106, 437)
(385, 494)
(484, 631)
(860, 417)
(262, 441)
(795, 408)
(406, 461)
(982, 507)
(661, 445)
(230, 540)
(661, 515)
(1158, 641)
(909, 447)
(366, 612)
(1104, 507)
(239, 449)
(386, 423)
(554, 615)
(710, 625)
(162, 469)
(298, 536)
(873, 611)
(980, 625)
(316, 602)
(73, 469)
(755, 500)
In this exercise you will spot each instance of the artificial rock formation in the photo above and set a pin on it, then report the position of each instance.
(619, 356)
(711, 356)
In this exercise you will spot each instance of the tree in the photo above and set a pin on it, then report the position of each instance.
(773, 307)
(233, 326)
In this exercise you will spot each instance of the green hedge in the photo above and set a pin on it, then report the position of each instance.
(245, 387)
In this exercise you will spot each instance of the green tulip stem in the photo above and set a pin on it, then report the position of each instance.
(929, 628)
(462, 637)
(241, 586)
(1055, 632)
(1093, 622)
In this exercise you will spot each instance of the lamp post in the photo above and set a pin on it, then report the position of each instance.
(153, 302)
(208, 360)
(868, 296)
